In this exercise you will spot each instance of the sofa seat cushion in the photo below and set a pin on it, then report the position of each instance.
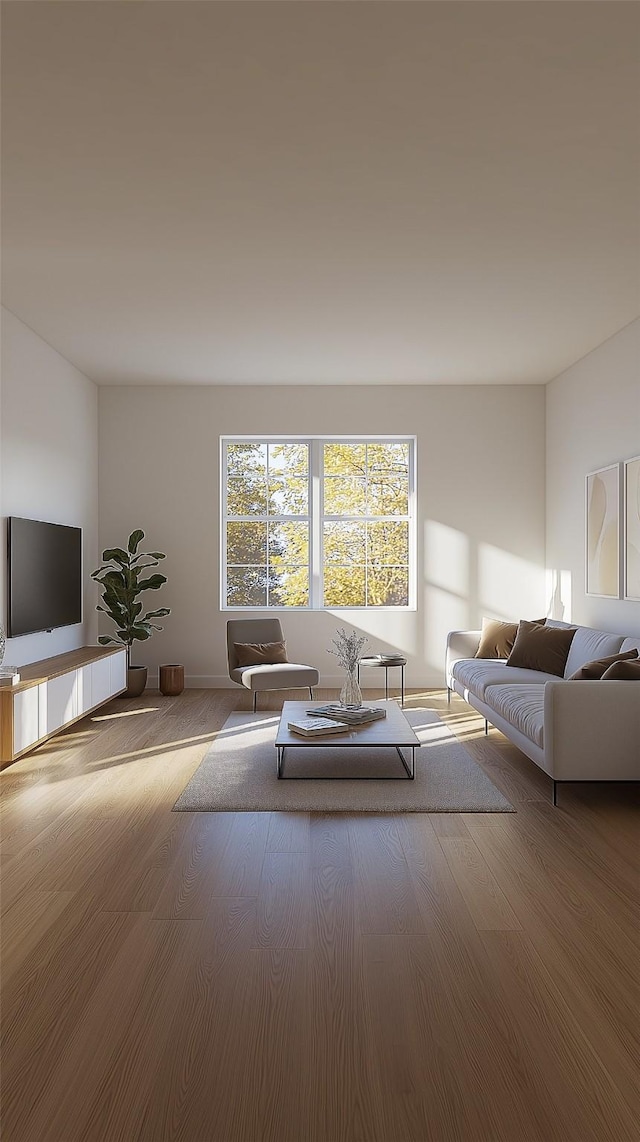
(522, 707)
(475, 674)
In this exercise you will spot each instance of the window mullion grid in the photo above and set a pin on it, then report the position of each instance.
(269, 446)
(223, 538)
(366, 525)
(316, 526)
(315, 520)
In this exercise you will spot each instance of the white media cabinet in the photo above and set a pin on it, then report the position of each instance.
(55, 692)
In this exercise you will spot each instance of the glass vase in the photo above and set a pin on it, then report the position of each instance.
(351, 694)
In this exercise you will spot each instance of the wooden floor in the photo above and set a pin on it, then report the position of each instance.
(309, 978)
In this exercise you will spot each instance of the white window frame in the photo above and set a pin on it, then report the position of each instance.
(316, 517)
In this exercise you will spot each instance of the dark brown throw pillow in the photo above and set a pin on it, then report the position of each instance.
(260, 653)
(597, 668)
(497, 638)
(625, 670)
(542, 648)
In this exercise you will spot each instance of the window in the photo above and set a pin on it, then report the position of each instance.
(317, 523)
(267, 524)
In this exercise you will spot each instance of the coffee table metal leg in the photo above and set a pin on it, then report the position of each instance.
(410, 770)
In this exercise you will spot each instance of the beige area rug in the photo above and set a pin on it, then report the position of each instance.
(238, 774)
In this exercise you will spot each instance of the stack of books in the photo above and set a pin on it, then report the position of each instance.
(352, 715)
(312, 726)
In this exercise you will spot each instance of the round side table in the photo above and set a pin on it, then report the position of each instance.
(386, 660)
(171, 680)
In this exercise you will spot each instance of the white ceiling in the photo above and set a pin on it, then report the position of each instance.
(401, 193)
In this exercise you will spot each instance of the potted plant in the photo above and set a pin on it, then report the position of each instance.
(120, 577)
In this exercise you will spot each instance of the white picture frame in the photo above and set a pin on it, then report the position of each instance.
(602, 532)
(631, 520)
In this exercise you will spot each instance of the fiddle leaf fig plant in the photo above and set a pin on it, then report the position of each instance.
(122, 579)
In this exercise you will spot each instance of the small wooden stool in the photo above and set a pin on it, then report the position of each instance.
(171, 680)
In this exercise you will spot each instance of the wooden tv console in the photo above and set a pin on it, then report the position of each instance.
(55, 692)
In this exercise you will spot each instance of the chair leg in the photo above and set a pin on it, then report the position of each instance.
(255, 700)
(448, 695)
(486, 726)
(311, 693)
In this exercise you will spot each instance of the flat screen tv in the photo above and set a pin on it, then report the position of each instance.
(44, 576)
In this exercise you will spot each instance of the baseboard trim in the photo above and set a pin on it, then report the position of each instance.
(223, 682)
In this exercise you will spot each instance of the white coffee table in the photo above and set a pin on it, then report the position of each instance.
(393, 732)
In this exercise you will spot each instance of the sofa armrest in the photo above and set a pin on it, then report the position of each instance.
(592, 730)
(460, 644)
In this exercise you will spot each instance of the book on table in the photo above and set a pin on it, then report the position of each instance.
(353, 715)
(311, 727)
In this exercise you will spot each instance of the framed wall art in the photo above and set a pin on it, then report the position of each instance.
(603, 532)
(631, 488)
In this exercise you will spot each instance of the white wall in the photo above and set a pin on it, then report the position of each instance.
(480, 499)
(593, 419)
(48, 466)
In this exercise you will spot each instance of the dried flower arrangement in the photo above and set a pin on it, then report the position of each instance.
(348, 649)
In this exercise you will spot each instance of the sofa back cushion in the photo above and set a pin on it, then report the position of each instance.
(596, 669)
(631, 644)
(497, 638)
(542, 648)
(259, 653)
(625, 670)
(588, 645)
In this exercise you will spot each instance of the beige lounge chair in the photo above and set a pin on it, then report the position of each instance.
(268, 676)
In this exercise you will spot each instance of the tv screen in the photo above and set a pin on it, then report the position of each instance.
(45, 576)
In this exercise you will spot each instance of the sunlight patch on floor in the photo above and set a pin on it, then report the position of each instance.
(125, 714)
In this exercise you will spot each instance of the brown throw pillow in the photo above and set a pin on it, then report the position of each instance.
(624, 670)
(542, 648)
(497, 638)
(260, 653)
(597, 668)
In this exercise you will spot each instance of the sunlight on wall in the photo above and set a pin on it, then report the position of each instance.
(446, 558)
(558, 594)
(443, 612)
(386, 630)
(448, 573)
(508, 587)
(465, 580)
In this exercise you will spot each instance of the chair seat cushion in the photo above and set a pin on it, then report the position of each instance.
(276, 676)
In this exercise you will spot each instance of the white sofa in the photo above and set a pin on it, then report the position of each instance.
(574, 730)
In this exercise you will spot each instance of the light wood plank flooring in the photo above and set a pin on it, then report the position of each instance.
(173, 977)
